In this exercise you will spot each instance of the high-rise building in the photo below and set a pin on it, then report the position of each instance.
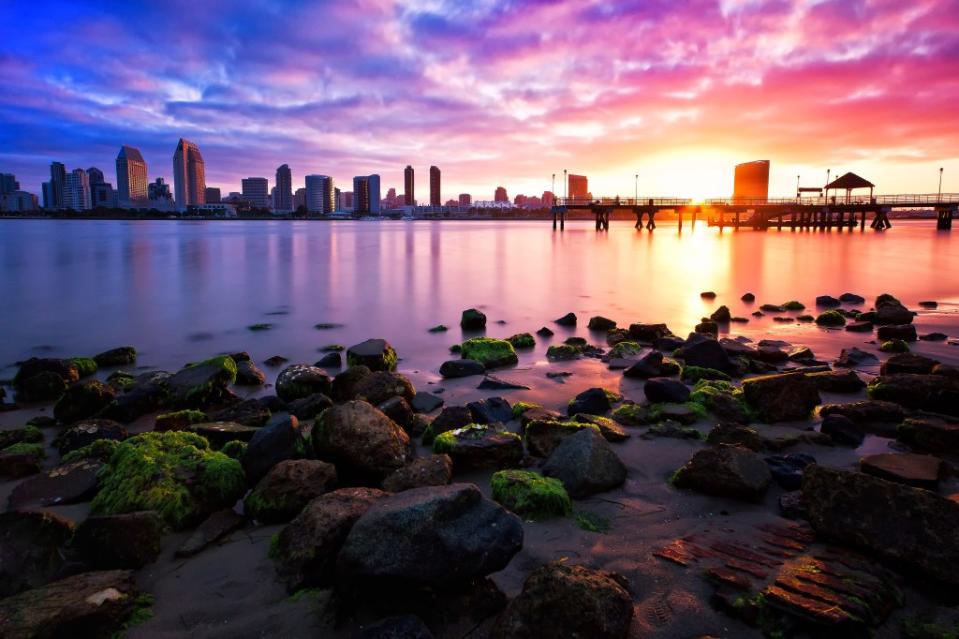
(159, 190)
(366, 194)
(578, 187)
(284, 189)
(548, 199)
(346, 201)
(320, 196)
(211, 195)
(434, 186)
(95, 176)
(189, 174)
(103, 195)
(131, 176)
(76, 191)
(465, 199)
(18, 201)
(409, 198)
(257, 191)
(751, 181)
(47, 190)
(299, 199)
(58, 182)
(8, 183)
(500, 195)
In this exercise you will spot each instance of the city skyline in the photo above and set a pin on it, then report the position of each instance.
(848, 86)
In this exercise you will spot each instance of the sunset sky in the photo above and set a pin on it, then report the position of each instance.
(493, 92)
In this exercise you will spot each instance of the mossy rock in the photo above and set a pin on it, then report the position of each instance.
(234, 448)
(521, 407)
(529, 494)
(625, 350)
(543, 436)
(25, 448)
(179, 420)
(522, 340)
(631, 415)
(563, 352)
(117, 356)
(260, 326)
(101, 449)
(86, 366)
(793, 305)
(29, 434)
(490, 352)
(121, 380)
(686, 412)
(831, 318)
(894, 346)
(174, 473)
(439, 328)
(478, 446)
(692, 374)
(203, 382)
(375, 354)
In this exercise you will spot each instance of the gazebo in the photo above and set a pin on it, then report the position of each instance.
(850, 181)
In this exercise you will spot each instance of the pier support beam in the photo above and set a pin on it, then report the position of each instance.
(944, 219)
(652, 223)
(559, 214)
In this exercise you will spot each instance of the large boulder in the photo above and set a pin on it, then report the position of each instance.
(359, 437)
(249, 412)
(120, 356)
(561, 600)
(45, 386)
(725, 471)
(921, 471)
(202, 383)
(648, 333)
(65, 369)
(905, 332)
(375, 354)
(842, 430)
(490, 410)
(88, 431)
(473, 320)
(870, 414)
(480, 446)
(529, 494)
(461, 368)
(844, 381)
(450, 418)
(586, 464)
(247, 374)
(592, 401)
(912, 527)
(706, 353)
(344, 384)
(82, 401)
(279, 439)
(433, 536)
(220, 433)
(783, 397)
(287, 488)
(889, 310)
(379, 386)
(143, 394)
(908, 363)
(130, 540)
(544, 435)
(663, 389)
(431, 470)
(67, 484)
(306, 549)
(490, 352)
(935, 393)
(930, 433)
(31, 550)
(301, 380)
(854, 357)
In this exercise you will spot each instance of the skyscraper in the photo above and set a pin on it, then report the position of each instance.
(320, 195)
(466, 199)
(366, 194)
(189, 174)
(751, 181)
(47, 189)
(211, 195)
(257, 191)
(76, 191)
(131, 176)
(58, 181)
(8, 183)
(299, 199)
(408, 186)
(284, 189)
(159, 190)
(95, 176)
(434, 186)
(578, 187)
(500, 195)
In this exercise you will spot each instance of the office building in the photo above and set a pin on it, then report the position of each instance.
(8, 183)
(189, 174)
(434, 186)
(751, 181)
(548, 199)
(131, 176)
(102, 195)
(409, 198)
(211, 195)
(346, 201)
(320, 194)
(500, 195)
(299, 199)
(465, 199)
(366, 194)
(284, 189)
(18, 201)
(76, 191)
(257, 191)
(58, 181)
(578, 186)
(46, 190)
(159, 190)
(95, 176)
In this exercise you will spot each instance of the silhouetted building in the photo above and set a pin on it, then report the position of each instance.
(102, 194)
(257, 191)
(751, 181)
(18, 201)
(578, 186)
(58, 181)
(366, 194)
(434, 186)
(189, 174)
(500, 195)
(299, 199)
(548, 199)
(465, 199)
(46, 189)
(8, 183)
(284, 189)
(519, 200)
(95, 176)
(159, 190)
(76, 191)
(391, 201)
(211, 195)
(320, 196)
(408, 186)
(131, 176)
(346, 201)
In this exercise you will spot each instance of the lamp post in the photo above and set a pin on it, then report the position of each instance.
(552, 188)
(827, 183)
(797, 187)
(565, 185)
(636, 183)
(939, 197)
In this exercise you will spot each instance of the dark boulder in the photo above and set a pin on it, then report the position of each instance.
(905, 332)
(31, 550)
(593, 401)
(649, 365)
(450, 418)
(250, 412)
(147, 392)
(330, 360)
(842, 430)
(67, 484)
(586, 464)
(202, 383)
(649, 333)
(375, 354)
(721, 315)
(67, 370)
(279, 439)
(381, 385)
(867, 413)
(359, 437)
(473, 320)
(735, 434)
(567, 320)
(783, 397)
(931, 433)
(398, 409)
(934, 393)
(725, 471)
(852, 298)
(853, 357)
(908, 363)
(45, 386)
(130, 540)
(86, 432)
(490, 410)
(461, 368)
(787, 470)
(663, 389)
(432, 470)
(600, 323)
(300, 380)
(889, 310)
(845, 381)
(827, 301)
(480, 446)
(706, 353)
(921, 471)
(221, 433)
(120, 356)
(82, 401)
(247, 374)
(424, 402)
(287, 488)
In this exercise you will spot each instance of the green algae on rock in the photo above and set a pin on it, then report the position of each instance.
(86, 366)
(101, 449)
(529, 494)
(179, 420)
(831, 318)
(522, 340)
(489, 351)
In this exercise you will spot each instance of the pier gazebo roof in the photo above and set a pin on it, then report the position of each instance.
(850, 181)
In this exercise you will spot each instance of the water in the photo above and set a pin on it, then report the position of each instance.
(183, 290)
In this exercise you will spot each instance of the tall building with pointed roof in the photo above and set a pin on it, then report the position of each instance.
(131, 175)
(189, 174)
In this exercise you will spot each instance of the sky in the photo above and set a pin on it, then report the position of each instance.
(494, 92)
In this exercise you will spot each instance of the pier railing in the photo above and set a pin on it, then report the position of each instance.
(574, 202)
(905, 200)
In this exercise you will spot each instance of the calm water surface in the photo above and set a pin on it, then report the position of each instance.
(183, 290)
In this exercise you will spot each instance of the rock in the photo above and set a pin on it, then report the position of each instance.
(433, 536)
(543, 436)
(854, 357)
(179, 420)
(866, 413)
(432, 470)
(600, 323)
(461, 368)
(330, 360)
(275, 360)
(496, 383)
(748, 297)
(20, 460)
(202, 383)
(397, 409)
(99, 603)
(306, 549)
(379, 386)
(736, 435)
(946, 370)
(912, 527)
(529, 494)
(83, 400)
(561, 600)
(920, 471)
(725, 471)
(129, 540)
(300, 380)
(706, 354)
(247, 374)
(65, 369)
(889, 310)
(344, 384)
(522, 340)
(787, 470)
(586, 464)
(593, 401)
(649, 365)
(827, 301)
(66, 484)
(491, 410)
(783, 397)
(707, 327)
(859, 327)
(663, 389)
(930, 433)
(424, 402)
(43, 387)
(567, 320)
(287, 488)
(398, 627)
(450, 418)
(215, 527)
(831, 318)
(473, 320)
(905, 332)
(648, 333)
(851, 298)
(847, 381)
(250, 412)
(31, 551)
(120, 356)
(278, 440)
(375, 354)
(479, 446)
(842, 430)
(563, 352)
(544, 332)
(927, 392)
(933, 337)
(673, 429)
(359, 437)
(708, 295)
(88, 431)
(220, 433)
(491, 353)
(721, 314)
(609, 429)
(908, 363)
(929, 304)
(146, 393)
(791, 505)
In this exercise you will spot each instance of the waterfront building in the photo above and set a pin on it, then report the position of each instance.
(58, 181)
(346, 201)
(500, 195)
(751, 181)
(320, 196)
(409, 199)
(548, 199)
(299, 199)
(284, 189)
(465, 199)
(8, 183)
(257, 191)
(434, 186)
(366, 194)
(131, 176)
(189, 174)
(18, 201)
(211, 195)
(103, 195)
(159, 190)
(95, 176)
(47, 191)
(578, 186)
(76, 191)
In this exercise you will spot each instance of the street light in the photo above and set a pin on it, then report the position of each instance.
(552, 189)
(827, 183)
(797, 187)
(565, 185)
(636, 196)
(939, 197)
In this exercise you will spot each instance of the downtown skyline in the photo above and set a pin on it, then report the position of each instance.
(344, 89)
